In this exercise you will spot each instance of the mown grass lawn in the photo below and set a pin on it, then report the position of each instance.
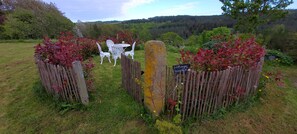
(111, 110)
(275, 112)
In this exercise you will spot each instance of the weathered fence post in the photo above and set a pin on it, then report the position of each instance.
(82, 88)
(154, 76)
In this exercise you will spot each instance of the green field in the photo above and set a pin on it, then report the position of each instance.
(112, 110)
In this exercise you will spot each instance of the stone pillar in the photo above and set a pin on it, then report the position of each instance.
(154, 76)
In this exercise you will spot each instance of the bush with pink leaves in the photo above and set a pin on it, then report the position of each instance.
(66, 50)
(227, 54)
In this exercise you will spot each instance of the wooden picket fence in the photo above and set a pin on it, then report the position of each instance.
(131, 78)
(203, 93)
(68, 83)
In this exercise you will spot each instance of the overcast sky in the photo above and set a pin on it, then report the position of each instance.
(103, 10)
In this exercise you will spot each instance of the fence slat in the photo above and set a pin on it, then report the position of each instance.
(68, 85)
(74, 83)
(42, 74)
(200, 95)
(223, 86)
(59, 83)
(188, 106)
(133, 68)
(62, 81)
(211, 91)
(185, 95)
(122, 70)
(139, 90)
(131, 75)
(216, 91)
(206, 92)
(47, 80)
(196, 95)
(238, 88)
(193, 92)
(213, 97)
(54, 80)
(82, 88)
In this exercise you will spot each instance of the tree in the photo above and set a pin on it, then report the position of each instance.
(2, 17)
(142, 30)
(172, 39)
(193, 40)
(19, 25)
(252, 13)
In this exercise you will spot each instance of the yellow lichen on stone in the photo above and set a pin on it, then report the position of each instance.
(155, 63)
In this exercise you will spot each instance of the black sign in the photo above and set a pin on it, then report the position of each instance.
(181, 68)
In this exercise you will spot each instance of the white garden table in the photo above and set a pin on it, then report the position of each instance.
(122, 45)
(117, 50)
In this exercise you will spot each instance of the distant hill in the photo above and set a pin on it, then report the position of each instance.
(290, 19)
(181, 18)
(184, 25)
(188, 25)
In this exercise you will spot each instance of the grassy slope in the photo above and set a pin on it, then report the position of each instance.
(111, 110)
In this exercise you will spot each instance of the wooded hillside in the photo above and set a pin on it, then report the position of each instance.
(31, 19)
(185, 26)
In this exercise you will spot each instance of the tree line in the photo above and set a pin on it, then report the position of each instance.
(184, 26)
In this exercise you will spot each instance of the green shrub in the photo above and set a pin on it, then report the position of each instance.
(172, 49)
(222, 32)
(192, 49)
(244, 36)
(177, 119)
(165, 127)
(279, 38)
(209, 45)
(281, 58)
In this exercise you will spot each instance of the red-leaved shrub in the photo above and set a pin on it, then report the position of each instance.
(58, 53)
(89, 47)
(224, 55)
(66, 50)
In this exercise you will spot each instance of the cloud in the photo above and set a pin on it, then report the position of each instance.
(91, 9)
(179, 8)
(134, 3)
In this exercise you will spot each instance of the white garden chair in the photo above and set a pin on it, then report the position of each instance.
(131, 53)
(103, 54)
(109, 44)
